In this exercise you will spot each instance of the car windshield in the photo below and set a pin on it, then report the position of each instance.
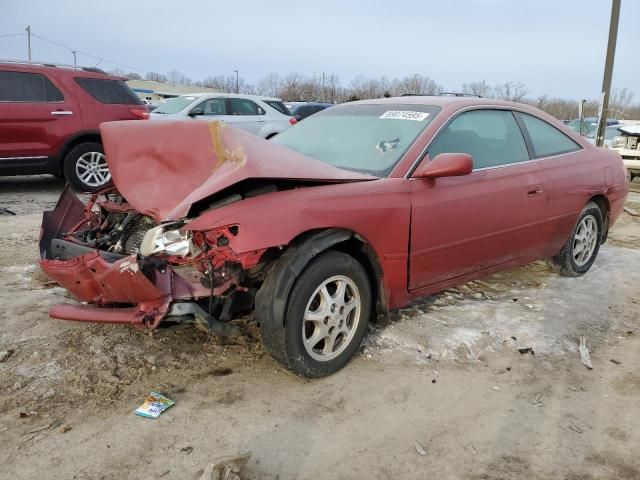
(363, 138)
(175, 104)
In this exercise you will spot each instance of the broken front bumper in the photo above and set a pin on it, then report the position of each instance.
(130, 289)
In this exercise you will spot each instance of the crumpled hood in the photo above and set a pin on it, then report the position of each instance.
(162, 168)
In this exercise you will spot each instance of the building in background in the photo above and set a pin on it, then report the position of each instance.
(154, 93)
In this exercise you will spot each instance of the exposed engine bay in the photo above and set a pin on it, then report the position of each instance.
(198, 273)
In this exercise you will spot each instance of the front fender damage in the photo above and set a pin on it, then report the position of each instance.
(138, 290)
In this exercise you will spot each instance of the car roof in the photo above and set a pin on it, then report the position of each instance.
(58, 69)
(230, 95)
(439, 101)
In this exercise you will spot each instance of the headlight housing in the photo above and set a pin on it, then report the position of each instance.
(619, 141)
(158, 241)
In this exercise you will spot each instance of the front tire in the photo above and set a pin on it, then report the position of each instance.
(326, 317)
(581, 249)
(85, 167)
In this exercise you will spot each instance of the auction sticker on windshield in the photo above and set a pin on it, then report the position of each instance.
(405, 115)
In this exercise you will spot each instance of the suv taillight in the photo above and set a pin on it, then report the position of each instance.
(140, 112)
(293, 120)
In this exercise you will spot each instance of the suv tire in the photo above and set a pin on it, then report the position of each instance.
(85, 167)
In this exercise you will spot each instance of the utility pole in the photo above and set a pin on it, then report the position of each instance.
(237, 83)
(608, 71)
(75, 65)
(28, 30)
(323, 94)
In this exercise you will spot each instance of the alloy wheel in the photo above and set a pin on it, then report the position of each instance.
(331, 318)
(585, 239)
(92, 169)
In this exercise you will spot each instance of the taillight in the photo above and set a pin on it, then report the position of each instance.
(140, 112)
(292, 120)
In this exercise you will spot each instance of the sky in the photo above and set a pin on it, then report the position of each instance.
(555, 47)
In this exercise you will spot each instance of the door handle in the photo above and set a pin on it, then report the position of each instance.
(533, 190)
(62, 112)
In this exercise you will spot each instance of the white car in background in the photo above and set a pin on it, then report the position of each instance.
(627, 144)
(262, 116)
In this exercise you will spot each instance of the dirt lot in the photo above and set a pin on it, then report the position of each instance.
(447, 373)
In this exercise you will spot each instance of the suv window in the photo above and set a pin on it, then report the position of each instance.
(491, 137)
(108, 91)
(27, 87)
(546, 139)
(214, 106)
(279, 106)
(243, 106)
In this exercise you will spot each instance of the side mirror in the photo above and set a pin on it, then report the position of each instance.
(196, 111)
(445, 165)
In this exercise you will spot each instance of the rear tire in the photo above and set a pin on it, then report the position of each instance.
(581, 249)
(326, 317)
(85, 167)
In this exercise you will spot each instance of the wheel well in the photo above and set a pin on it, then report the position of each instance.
(283, 266)
(84, 138)
(360, 249)
(605, 208)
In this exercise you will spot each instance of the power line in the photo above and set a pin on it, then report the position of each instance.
(12, 35)
(86, 54)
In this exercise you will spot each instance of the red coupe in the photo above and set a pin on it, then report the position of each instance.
(355, 211)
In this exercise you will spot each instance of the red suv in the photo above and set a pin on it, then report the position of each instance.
(49, 118)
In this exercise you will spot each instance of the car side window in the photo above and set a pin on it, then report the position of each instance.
(546, 139)
(214, 106)
(491, 137)
(27, 87)
(243, 106)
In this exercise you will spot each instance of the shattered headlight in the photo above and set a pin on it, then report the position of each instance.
(619, 141)
(167, 242)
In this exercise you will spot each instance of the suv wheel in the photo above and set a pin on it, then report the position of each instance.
(85, 167)
(326, 317)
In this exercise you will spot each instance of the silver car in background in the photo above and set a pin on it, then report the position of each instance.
(262, 116)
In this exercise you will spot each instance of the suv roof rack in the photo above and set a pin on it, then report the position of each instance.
(54, 64)
(459, 94)
(443, 94)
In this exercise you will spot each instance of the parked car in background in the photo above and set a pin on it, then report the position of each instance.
(262, 116)
(301, 110)
(627, 144)
(610, 133)
(357, 210)
(589, 124)
(49, 119)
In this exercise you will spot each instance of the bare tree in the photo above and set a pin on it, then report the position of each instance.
(174, 77)
(513, 91)
(156, 77)
(477, 88)
(269, 85)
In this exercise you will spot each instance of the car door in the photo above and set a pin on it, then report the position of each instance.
(35, 117)
(568, 178)
(462, 225)
(213, 109)
(246, 114)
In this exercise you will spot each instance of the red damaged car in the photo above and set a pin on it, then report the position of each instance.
(357, 210)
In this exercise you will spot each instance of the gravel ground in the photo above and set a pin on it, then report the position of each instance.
(447, 373)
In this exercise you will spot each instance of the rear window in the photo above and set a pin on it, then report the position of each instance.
(174, 105)
(547, 140)
(27, 87)
(279, 106)
(108, 91)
